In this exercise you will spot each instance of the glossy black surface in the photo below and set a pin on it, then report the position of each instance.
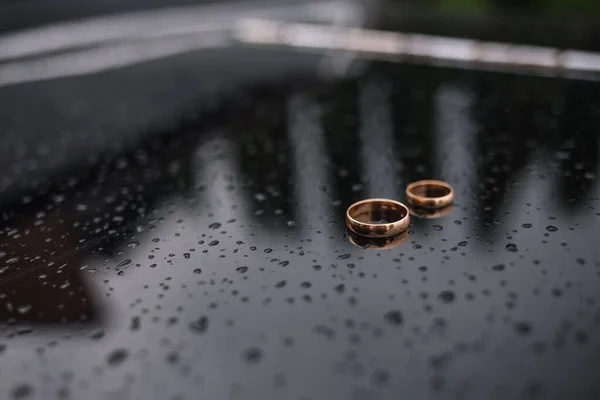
(209, 259)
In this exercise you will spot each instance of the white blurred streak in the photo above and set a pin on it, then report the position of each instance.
(104, 58)
(454, 131)
(494, 53)
(441, 47)
(216, 161)
(310, 171)
(511, 54)
(158, 23)
(265, 32)
(378, 151)
(299, 36)
(581, 60)
(375, 44)
(86, 33)
(378, 41)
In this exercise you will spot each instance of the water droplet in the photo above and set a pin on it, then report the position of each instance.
(133, 245)
(527, 226)
(340, 288)
(498, 267)
(344, 256)
(99, 334)
(447, 296)
(325, 331)
(253, 355)
(437, 227)
(197, 271)
(280, 284)
(24, 309)
(511, 247)
(200, 326)
(214, 243)
(116, 357)
(172, 357)
(381, 377)
(59, 198)
(394, 317)
(214, 225)
(242, 270)
(124, 263)
(135, 324)
(523, 328)
(268, 250)
(12, 260)
(22, 391)
(440, 361)
(551, 228)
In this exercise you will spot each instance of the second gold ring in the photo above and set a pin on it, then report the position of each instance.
(429, 194)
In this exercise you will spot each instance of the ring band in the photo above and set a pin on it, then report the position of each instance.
(429, 194)
(377, 218)
(377, 243)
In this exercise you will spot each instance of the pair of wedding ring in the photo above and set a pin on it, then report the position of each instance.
(384, 218)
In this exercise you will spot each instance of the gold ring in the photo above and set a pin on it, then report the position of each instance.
(429, 194)
(377, 243)
(377, 218)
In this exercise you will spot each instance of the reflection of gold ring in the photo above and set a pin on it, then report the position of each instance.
(377, 243)
(377, 218)
(429, 194)
(430, 213)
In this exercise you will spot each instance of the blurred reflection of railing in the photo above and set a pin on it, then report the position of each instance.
(357, 137)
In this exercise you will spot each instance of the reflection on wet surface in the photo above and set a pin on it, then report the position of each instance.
(213, 260)
(377, 243)
(430, 213)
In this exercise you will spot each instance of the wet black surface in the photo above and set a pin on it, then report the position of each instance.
(210, 259)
